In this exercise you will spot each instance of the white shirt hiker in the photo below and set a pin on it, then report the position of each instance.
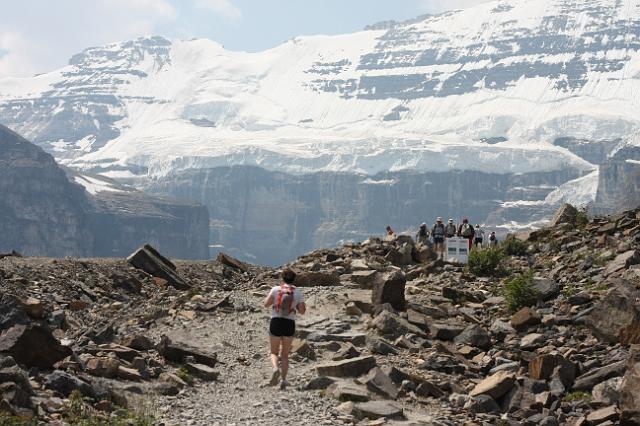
(298, 298)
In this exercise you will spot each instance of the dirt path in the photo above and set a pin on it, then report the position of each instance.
(241, 396)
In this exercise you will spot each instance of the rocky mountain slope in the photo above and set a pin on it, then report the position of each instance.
(524, 96)
(391, 336)
(45, 210)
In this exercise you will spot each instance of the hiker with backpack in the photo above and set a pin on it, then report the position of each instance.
(493, 239)
(285, 301)
(450, 230)
(465, 230)
(422, 237)
(438, 233)
(478, 237)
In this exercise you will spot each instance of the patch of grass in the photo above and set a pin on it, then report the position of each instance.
(578, 396)
(7, 419)
(569, 289)
(185, 375)
(485, 262)
(603, 259)
(514, 247)
(582, 218)
(520, 292)
(80, 413)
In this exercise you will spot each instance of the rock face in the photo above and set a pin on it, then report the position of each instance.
(619, 180)
(41, 212)
(389, 288)
(44, 211)
(33, 346)
(617, 314)
(272, 217)
(630, 394)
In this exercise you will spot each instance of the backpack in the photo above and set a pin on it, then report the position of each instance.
(438, 230)
(466, 230)
(284, 304)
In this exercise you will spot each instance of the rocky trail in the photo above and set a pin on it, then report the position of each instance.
(543, 331)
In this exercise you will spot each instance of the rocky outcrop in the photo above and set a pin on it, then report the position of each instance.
(44, 212)
(41, 212)
(619, 181)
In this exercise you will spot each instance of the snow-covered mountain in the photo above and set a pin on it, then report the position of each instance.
(528, 95)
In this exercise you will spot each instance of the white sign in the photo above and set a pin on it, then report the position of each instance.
(456, 250)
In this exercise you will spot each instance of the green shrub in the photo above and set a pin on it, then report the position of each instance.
(520, 292)
(578, 396)
(485, 262)
(582, 218)
(80, 413)
(514, 247)
(185, 375)
(7, 419)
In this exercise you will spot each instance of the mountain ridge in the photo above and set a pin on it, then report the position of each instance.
(535, 95)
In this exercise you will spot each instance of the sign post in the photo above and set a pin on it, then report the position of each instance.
(456, 250)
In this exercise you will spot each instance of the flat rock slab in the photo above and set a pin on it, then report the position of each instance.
(377, 381)
(177, 352)
(587, 381)
(352, 367)
(149, 260)
(496, 385)
(201, 371)
(347, 391)
(378, 409)
(356, 339)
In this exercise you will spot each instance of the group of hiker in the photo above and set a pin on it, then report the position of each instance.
(441, 231)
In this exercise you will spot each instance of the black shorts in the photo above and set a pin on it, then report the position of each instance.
(438, 240)
(479, 240)
(282, 327)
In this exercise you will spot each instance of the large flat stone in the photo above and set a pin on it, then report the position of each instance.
(177, 352)
(352, 367)
(33, 346)
(496, 385)
(149, 260)
(378, 409)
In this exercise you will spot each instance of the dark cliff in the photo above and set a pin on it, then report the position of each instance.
(619, 181)
(43, 212)
(271, 217)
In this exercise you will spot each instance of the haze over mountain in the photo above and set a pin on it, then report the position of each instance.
(500, 112)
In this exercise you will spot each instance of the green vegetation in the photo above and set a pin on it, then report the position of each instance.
(485, 262)
(582, 218)
(569, 289)
(604, 258)
(185, 375)
(578, 396)
(520, 292)
(7, 419)
(514, 247)
(79, 413)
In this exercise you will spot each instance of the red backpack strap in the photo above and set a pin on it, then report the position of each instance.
(279, 301)
(292, 290)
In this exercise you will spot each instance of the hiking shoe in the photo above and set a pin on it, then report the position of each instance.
(284, 384)
(275, 376)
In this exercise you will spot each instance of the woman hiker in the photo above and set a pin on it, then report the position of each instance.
(285, 301)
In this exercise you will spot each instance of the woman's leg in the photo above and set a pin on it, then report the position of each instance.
(286, 347)
(274, 343)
